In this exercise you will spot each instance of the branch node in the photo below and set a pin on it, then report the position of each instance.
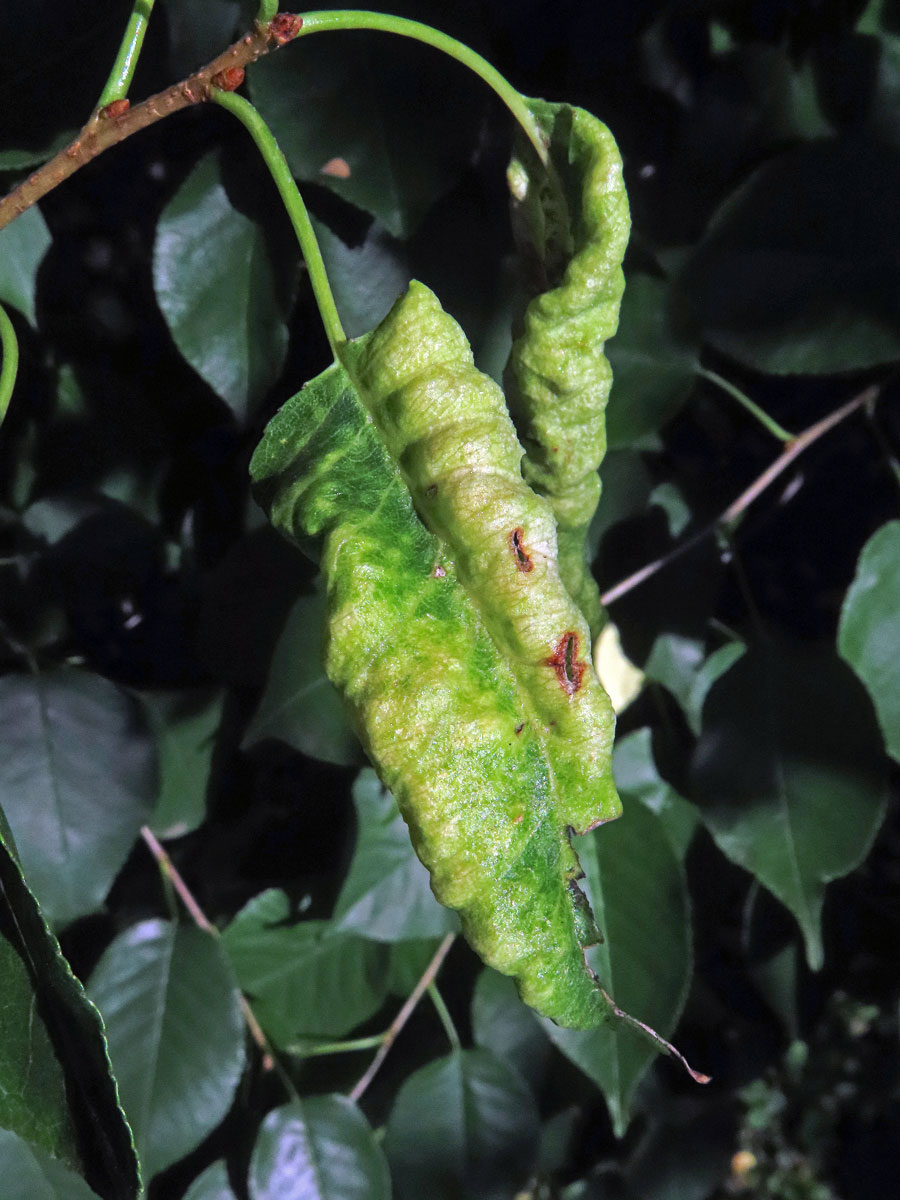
(115, 108)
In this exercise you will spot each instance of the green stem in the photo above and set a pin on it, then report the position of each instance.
(126, 60)
(323, 22)
(296, 209)
(266, 11)
(444, 1013)
(10, 366)
(772, 426)
(310, 1050)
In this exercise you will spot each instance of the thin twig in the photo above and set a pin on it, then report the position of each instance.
(111, 125)
(200, 919)
(792, 450)
(403, 1015)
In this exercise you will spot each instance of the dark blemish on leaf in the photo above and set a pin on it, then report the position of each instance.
(431, 491)
(520, 554)
(439, 572)
(115, 108)
(519, 819)
(519, 728)
(564, 661)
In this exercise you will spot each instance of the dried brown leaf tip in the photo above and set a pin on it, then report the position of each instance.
(564, 661)
(520, 554)
(115, 108)
(228, 80)
(284, 27)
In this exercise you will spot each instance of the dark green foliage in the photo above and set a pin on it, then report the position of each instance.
(160, 645)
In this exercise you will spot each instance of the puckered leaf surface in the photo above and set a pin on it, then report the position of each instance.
(461, 656)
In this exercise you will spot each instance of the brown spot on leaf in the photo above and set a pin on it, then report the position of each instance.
(520, 554)
(439, 572)
(519, 819)
(564, 661)
(431, 491)
(337, 168)
(519, 728)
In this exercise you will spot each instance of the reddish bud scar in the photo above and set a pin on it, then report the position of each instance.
(114, 109)
(284, 27)
(229, 79)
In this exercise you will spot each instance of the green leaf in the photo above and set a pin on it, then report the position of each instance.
(654, 364)
(29, 1173)
(637, 776)
(408, 962)
(869, 632)
(211, 1185)
(198, 31)
(368, 142)
(56, 1084)
(320, 1148)
(679, 664)
(467, 672)
(304, 979)
(217, 288)
(185, 724)
(502, 1024)
(175, 1032)
(572, 228)
(790, 775)
(462, 1127)
(366, 278)
(386, 895)
(23, 245)
(798, 273)
(77, 778)
(299, 705)
(638, 892)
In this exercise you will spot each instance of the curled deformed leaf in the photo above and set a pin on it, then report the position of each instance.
(572, 225)
(463, 660)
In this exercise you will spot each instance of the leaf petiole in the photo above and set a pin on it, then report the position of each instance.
(323, 22)
(296, 209)
(116, 87)
(10, 361)
(768, 423)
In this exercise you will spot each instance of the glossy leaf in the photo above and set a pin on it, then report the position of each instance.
(638, 777)
(175, 1032)
(639, 896)
(679, 664)
(810, 793)
(218, 290)
(572, 230)
(30, 1173)
(368, 142)
(386, 895)
(870, 628)
(23, 245)
(77, 779)
(185, 724)
(797, 273)
(211, 1185)
(320, 1148)
(304, 978)
(465, 669)
(462, 1127)
(653, 363)
(56, 1084)
(366, 278)
(502, 1024)
(299, 705)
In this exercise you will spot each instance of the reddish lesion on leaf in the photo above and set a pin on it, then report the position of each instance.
(564, 661)
(522, 558)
